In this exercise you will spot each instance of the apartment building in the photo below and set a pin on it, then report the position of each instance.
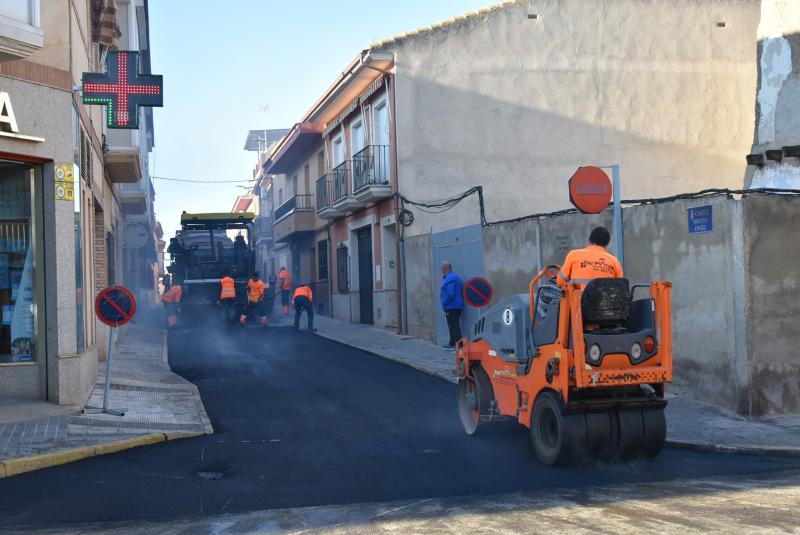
(299, 234)
(67, 184)
(514, 98)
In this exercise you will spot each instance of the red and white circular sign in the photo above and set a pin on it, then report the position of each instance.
(590, 189)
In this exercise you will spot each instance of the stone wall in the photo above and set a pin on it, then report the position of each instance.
(736, 295)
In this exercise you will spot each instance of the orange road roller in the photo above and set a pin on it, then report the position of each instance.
(584, 368)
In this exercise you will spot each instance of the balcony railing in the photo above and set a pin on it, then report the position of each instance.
(323, 199)
(263, 228)
(371, 167)
(298, 202)
(339, 179)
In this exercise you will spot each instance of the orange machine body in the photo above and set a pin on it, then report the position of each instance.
(562, 366)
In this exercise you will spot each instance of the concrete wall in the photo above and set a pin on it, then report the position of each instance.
(517, 104)
(773, 282)
(778, 97)
(421, 302)
(735, 299)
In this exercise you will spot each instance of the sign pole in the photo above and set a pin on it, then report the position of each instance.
(114, 306)
(615, 185)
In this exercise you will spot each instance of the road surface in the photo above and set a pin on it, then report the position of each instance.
(302, 421)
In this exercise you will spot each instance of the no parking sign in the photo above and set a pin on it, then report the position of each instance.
(115, 306)
(477, 292)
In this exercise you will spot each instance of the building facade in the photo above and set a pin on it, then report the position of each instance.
(62, 220)
(514, 98)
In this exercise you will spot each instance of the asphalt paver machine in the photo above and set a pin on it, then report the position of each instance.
(584, 368)
(209, 245)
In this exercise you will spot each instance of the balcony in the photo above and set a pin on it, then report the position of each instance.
(295, 216)
(135, 201)
(324, 208)
(371, 174)
(342, 199)
(123, 160)
(263, 229)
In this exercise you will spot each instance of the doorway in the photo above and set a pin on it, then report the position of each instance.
(365, 274)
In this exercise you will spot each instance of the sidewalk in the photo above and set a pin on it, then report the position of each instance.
(159, 405)
(690, 423)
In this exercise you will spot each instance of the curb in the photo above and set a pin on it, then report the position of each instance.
(675, 444)
(20, 465)
(387, 356)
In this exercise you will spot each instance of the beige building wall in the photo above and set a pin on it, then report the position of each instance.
(516, 98)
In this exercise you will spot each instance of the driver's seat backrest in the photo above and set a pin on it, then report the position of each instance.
(606, 302)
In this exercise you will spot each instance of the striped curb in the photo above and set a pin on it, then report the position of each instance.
(20, 465)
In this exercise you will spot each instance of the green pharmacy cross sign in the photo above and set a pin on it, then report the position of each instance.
(122, 89)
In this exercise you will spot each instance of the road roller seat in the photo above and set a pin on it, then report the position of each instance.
(606, 303)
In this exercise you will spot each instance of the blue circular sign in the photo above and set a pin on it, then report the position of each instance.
(477, 292)
(115, 306)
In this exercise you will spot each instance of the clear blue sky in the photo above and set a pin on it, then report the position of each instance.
(222, 61)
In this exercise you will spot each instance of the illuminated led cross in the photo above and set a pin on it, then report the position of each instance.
(122, 89)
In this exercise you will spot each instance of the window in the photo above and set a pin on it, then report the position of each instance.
(20, 29)
(17, 277)
(280, 196)
(342, 259)
(322, 259)
(294, 184)
(307, 178)
(320, 163)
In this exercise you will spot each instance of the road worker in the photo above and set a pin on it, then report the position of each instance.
(285, 286)
(255, 298)
(592, 262)
(168, 299)
(227, 296)
(302, 300)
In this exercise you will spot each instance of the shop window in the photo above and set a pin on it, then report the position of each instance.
(17, 277)
(342, 260)
(322, 259)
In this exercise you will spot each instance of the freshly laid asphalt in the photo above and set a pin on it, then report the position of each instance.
(303, 421)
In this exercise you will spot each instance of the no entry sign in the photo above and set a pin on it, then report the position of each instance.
(590, 189)
(477, 292)
(115, 306)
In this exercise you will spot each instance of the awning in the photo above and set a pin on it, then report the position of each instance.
(301, 139)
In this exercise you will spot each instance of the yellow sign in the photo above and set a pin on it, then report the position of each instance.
(65, 182)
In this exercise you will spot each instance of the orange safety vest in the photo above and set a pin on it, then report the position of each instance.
(593, 262)
(168, 296)
(228, 288)
(255, 290)
(303, 290)
(285, 280)
(177, 293)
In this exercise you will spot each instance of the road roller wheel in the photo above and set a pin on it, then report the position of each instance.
(630, 435)
(473, 400)
(655, 432)
(557, 438)
(600, 434)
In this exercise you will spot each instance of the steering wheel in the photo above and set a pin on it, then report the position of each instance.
(551, 273)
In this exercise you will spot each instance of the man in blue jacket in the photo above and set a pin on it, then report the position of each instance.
(452, 302)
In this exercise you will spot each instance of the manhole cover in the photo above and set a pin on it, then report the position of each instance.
(210, 475)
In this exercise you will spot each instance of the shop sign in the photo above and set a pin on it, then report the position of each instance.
(122, 89)
(65, 182)
(8, 121)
